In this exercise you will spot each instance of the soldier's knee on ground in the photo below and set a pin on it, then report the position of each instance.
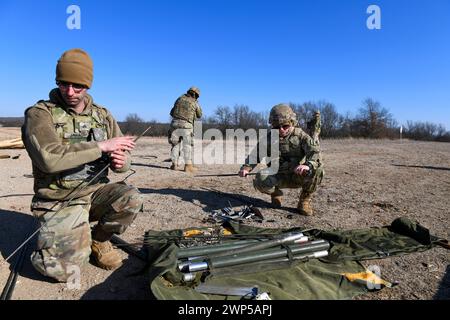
(126, 208)
(60, 256)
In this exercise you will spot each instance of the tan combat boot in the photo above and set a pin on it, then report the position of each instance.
(276, 197)
(189, 168)
(304, 204)
(105, 256)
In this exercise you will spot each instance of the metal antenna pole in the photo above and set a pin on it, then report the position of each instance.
(66, 203)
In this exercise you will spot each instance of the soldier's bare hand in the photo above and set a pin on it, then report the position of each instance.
(301, 170)
(243, 173)
(119, 143)
(118, 159)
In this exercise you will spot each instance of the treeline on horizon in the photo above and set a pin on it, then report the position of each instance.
(372, 121)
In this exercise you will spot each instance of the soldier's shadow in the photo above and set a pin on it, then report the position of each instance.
(422, 167)
(129, 282)
(444, 287)
(14, 229)
(213, 200)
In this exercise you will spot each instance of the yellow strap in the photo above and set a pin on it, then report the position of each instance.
(192, 232)
(367, 276)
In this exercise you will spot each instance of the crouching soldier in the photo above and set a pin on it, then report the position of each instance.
(70, 139)
(300, 164)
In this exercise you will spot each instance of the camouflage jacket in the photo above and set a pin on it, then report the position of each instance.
(63, 145)
(186, 108)
(295, 149)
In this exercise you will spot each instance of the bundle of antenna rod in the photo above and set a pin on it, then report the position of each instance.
(228, 213)
(249, 252)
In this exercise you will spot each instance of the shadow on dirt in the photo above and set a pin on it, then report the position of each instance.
(14, 228)
(422, 167)
(213, 199)
(129, 282)
(444, 287)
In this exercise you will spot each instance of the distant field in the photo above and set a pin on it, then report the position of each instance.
(9, 133)
(367, 183)
(11, 121)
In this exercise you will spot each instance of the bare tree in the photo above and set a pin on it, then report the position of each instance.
(133, 124)
(329, 118)
(244, 118)
(304, 112)
(426, 131)
(133, 118)
(373, 120)
(223, 116)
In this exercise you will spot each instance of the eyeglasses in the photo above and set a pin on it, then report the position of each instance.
(285, 127)
(77, 88)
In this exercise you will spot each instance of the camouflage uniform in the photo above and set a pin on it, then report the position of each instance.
(314, 127)
(297, 148)
(181, 134)
(65, 155)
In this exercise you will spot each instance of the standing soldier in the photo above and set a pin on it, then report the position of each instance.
(181, 134)
(70, 139)
(314, 126)
(300, 164)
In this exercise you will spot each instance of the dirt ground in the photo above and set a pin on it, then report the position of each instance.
(367, 184)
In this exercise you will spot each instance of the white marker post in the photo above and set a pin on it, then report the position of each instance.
(401, 131)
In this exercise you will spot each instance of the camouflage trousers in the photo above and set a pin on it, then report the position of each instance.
(273, 183)
(64, 242)
(181, 137)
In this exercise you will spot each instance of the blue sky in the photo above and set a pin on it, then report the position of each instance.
(259, 53)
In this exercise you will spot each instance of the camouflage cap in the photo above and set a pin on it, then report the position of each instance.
(195, 90)
(282, 114)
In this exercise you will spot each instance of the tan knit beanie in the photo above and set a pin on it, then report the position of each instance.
(75, 66)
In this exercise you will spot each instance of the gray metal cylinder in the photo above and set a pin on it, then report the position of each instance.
(197, 266)
(286, 239)
(194, 253)
(188, 277)
(261, 255)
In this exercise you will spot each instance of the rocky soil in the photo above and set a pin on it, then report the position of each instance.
(367, 183)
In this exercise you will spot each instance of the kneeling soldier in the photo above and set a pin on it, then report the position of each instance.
(300, 163)
(70, 139)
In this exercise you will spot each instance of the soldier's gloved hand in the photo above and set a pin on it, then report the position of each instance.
(118, 159)
(243, 173)
(301, 170)
(119, 143)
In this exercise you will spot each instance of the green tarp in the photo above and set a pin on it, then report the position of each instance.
(324, 278)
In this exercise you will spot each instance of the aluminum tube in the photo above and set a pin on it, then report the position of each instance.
(311, 255)
(204, 250)
(224, 247)
(197, 266)
(244, 258)
(188, 277)
(288, 239)
(219, 262)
